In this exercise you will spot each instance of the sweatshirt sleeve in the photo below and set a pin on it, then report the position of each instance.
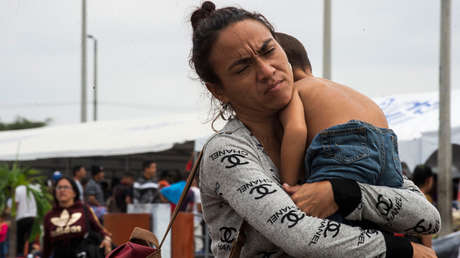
(233, 172)
(402, 210)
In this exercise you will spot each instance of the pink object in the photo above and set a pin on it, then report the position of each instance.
(3, 231)
(130, 250)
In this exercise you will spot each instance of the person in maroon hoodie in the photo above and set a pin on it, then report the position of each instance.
(66, 225)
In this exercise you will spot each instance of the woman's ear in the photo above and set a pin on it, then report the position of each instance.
(217, 91)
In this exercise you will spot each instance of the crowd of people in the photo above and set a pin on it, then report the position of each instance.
(75, 222)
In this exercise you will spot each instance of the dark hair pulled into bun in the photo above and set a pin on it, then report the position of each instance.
(207, 8)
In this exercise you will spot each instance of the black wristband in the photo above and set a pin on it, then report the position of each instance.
(397, 246)
(347, 195)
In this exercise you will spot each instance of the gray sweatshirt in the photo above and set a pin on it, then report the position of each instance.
(238, 181)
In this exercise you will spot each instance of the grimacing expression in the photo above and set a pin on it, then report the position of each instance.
(254, 72)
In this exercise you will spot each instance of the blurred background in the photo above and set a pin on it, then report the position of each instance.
(378, 47)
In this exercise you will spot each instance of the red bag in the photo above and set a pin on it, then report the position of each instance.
(142, 243)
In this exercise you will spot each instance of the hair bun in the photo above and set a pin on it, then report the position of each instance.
(206, 9)
(208, 6)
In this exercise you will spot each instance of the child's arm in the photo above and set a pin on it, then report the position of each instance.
(294, 140)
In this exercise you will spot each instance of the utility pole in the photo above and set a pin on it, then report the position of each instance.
(83, 61)
(94, 77)
(327, 40)
(444, 133)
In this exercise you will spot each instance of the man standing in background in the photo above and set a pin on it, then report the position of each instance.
(79, 172)
(26, 211)
(145, 189)
(93, 192)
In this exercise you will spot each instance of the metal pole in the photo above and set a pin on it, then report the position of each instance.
(83, 61)
(94, 77)
(445, 147)
(327, 40)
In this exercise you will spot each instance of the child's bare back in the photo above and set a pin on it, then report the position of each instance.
(327, 104)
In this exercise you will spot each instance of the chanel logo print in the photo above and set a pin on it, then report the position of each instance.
(383, 205)
(227, 234)
(262, 191)
(368, 233)
(292, 217)
(421, 227)
(252, 183)
(332, 227)
(234, 160)
(280, 213)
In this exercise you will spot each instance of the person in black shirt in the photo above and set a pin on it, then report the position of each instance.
(123, 193)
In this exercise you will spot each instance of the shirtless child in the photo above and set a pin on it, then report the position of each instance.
(350, 139)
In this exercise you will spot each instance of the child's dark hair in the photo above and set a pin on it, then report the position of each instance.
(295, 51)
(421, 174)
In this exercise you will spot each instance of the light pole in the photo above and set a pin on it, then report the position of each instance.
(94, 77)
(444, 134)
(83, 62)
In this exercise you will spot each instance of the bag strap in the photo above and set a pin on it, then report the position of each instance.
(182, 197)
(238, 244)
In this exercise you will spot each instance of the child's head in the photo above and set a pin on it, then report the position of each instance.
(296, 54)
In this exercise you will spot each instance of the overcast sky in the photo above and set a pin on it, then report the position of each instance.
(380, 48)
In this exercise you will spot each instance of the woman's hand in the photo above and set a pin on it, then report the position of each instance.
(421, 251)
(315, 199)
(107, 244)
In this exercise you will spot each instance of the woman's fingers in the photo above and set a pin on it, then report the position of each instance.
(290, 189)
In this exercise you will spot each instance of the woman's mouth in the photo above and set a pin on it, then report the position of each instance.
(274, 87)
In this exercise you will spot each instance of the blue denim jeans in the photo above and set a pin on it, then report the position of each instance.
(355, 150)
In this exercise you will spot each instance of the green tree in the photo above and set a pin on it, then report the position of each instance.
(10, 178)
(23, 123)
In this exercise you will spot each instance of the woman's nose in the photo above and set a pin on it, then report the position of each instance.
(264, 70)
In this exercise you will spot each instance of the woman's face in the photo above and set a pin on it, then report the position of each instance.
(254, 72)
(64, 191)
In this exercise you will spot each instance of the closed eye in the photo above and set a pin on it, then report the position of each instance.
(269, 51)
(242, 68)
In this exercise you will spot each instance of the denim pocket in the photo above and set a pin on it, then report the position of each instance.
(346, 146)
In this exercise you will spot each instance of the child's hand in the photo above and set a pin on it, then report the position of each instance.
(315, 199)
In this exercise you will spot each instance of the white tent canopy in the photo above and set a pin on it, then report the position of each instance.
(415, 119)
(101, 138)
